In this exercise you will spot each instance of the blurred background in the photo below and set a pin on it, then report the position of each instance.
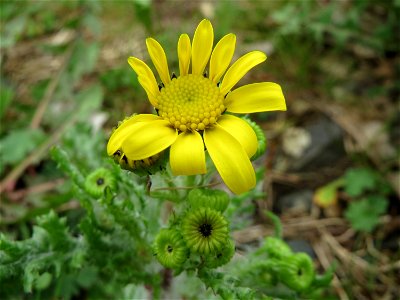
(332, 164)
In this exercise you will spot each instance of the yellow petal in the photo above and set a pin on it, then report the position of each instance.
(230, 159)
(256, 97)
(184, 53)
(159, 59)
(241, 131)
(187, 156)
(147, 86)
(148, 138)
(146, 76)
(221, 56)
(202, 45)
(123, 131)
(240, 68)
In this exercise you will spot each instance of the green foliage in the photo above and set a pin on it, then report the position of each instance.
(6, 96)
(368, 191)
(364, 214)
(60, 263)
(143, 13)
(359, 180)
(225, 285)
(17, 144)
(275, 270)
(318, 21)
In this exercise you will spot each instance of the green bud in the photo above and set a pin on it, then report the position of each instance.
(170, 249)
(276, 248)
(262, 141)
(97, 181)
(214, 199)
(143, 167)
(297, 271)
(205, 230)
(221, 257)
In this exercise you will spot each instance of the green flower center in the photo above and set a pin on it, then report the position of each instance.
(100, 181)
(191, 102)
(205, 229)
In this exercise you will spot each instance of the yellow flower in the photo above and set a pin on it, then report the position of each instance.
(191, 109)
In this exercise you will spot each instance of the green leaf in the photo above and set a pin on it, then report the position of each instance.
(6, 96)
(90, 99)
(359, 180)
(43, 281)
(66, 286)
(57, 230)
(143, 13)
(83, 60)
(364, 214)
(87, 277)
(19, 143)
(12, 31)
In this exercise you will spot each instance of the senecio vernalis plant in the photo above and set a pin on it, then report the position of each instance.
(144, 223)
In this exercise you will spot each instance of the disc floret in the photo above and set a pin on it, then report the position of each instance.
(192, 102)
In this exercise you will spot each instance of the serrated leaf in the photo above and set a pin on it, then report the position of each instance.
(358, 181)
(364, 214)
(56, 229)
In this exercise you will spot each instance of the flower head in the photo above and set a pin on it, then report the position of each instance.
(192, 109)
(170, 249)
(97, 181)
(143, 167)
(222, 256)
(205, 230)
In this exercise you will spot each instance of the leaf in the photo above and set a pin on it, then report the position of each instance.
(57, 230)
(43, 281)
(143, 13)
(326, 195)
(6, 96)
(66, 286)
(19, 143)
(87, 276)
(364, 214)
(83, 59)
(90, 99)
(13, 30)
(359, 180)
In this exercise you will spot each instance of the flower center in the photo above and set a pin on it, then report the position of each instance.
(191, 102)
(205, 229)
